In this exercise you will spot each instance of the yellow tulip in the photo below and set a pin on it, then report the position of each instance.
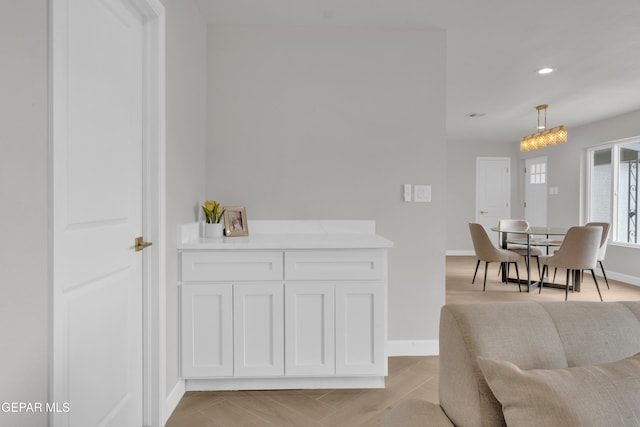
(212, 211)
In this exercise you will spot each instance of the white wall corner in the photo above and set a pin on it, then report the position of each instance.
(173, 399)
(413, 347)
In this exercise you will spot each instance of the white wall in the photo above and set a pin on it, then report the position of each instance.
(24, 307)
(186, 145)
(328, 123)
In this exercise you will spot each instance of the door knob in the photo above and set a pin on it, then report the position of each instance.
(483, 212)
(141, 244)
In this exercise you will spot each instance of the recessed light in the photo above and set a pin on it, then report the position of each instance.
(545, 70)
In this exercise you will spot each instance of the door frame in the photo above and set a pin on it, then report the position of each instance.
(154, 204)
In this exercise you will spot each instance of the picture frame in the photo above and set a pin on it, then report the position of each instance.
(235, 221)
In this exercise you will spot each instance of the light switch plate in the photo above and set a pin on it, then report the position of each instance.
(407, 193)
(422, 193)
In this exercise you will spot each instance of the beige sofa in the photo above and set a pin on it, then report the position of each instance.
(549, 343)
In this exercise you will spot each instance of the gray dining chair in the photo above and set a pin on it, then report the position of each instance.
(578, 252)
(603, 248)
(487, 252)
(517, 243)
(603, 245)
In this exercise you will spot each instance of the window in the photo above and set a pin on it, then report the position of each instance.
(538, 173)
(613, 188)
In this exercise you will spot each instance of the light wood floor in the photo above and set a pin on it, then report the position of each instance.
(409, 377)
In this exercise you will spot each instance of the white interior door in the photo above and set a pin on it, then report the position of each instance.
(493, 190)
(535, 191)
(98, 129)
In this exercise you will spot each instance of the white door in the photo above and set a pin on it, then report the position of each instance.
(535, 191)
(309, 329)
(360, 334)
(207, 330)
(98, 126)
(493, 190)
(258, 329)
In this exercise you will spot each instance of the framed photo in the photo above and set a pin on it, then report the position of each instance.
(235, 221)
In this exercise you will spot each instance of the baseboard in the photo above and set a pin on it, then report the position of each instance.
(631, 280)
(171, 403)
(284, 383)
(463, 252)
(413, 347)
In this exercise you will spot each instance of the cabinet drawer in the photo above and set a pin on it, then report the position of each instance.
(335, 265)
(226, 266)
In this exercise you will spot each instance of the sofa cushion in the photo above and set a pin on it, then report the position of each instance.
(583, 396)
(593, 333)
(522, 333)
(532, 335)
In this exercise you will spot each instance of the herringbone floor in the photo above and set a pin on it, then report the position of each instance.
(415, 377)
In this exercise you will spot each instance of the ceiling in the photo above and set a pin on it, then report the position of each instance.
(494, 48)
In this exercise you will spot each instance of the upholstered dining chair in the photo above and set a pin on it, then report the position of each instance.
(578, 252)
(519, 244)
(603, 245)
(487, 252)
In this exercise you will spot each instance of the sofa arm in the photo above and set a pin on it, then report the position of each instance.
(417, 413)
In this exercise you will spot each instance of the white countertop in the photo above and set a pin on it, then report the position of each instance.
(309, 234)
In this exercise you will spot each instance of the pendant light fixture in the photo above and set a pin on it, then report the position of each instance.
(543, 137)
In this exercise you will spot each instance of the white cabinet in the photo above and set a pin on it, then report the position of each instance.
(310, 329)
(285, 311)
(360, 329)
(258, 331)
(335, 264)
(207, 330)
(219, 266)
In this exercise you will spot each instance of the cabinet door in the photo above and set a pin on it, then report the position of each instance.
(207, 330)
(258, 315)
(360, 329)
(309, 329)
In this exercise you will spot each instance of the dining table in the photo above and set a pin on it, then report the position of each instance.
(533, 236)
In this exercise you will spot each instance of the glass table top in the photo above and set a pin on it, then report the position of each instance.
(532, 230)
